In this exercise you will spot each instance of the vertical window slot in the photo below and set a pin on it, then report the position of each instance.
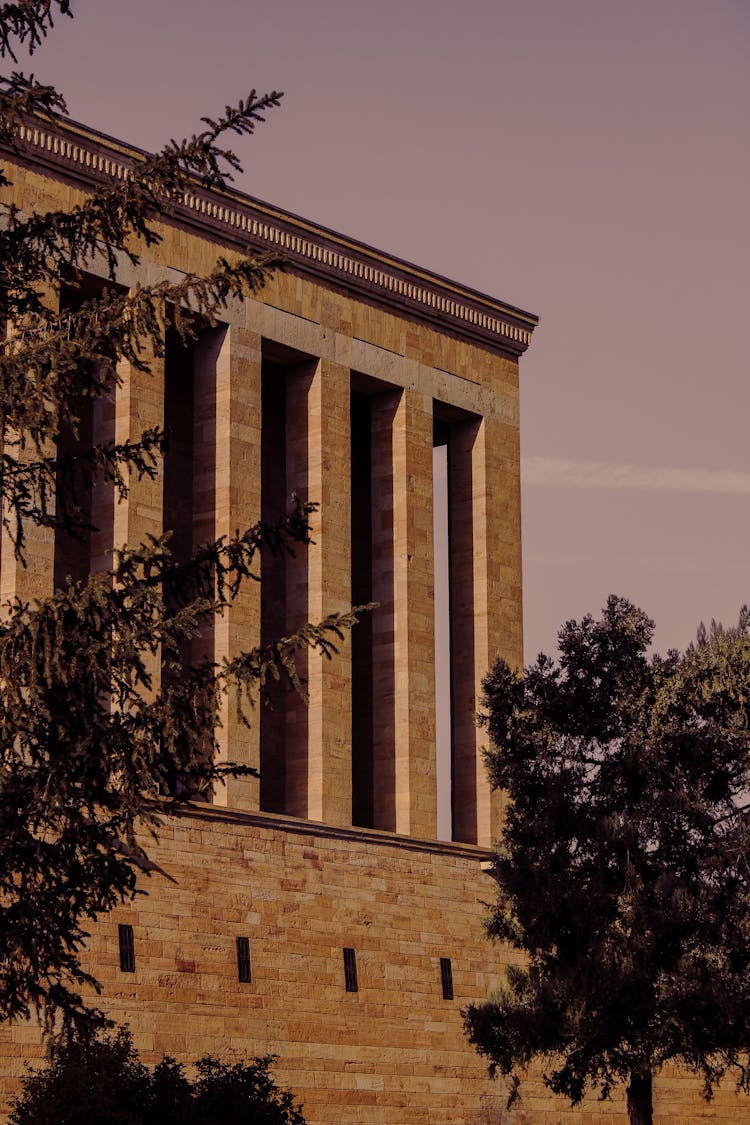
(446, 977)
(443, 702)
(361, 639)
(350, 970)
(272, 718)
(127, 949)
(189, 500)
(244, 973)
(82, 496)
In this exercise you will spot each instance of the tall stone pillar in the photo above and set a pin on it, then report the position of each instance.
(139, 406)
(227, 499)
(404, 783)
(485, 577)
(33, 577)
(296, 738)
(318, 767)
(329, 590)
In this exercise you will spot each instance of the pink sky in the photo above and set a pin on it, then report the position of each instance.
(585, 159)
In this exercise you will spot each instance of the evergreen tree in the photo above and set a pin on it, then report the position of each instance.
(89, 741)
(623, 869)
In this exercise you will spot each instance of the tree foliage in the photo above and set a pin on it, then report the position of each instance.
(623, 867)
(89, 741)
(102, 1079)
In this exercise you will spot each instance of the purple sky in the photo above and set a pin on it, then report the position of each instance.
(586, 159)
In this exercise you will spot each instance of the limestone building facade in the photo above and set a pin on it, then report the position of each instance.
(315, 912)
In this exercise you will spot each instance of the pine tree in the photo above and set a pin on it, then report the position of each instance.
(623, 870)
(89, 744)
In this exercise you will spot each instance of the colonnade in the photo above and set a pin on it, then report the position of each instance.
(249, 422)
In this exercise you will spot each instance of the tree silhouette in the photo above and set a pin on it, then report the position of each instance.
(623, 865)
(94, 751)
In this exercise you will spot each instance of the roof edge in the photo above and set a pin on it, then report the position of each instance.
(66, 148)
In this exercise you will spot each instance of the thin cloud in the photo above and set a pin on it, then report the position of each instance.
(556, 472)
(618, 564)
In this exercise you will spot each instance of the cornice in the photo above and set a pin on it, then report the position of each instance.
(297, 826)
(66, 149)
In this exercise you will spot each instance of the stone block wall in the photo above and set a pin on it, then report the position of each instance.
(392, 1053)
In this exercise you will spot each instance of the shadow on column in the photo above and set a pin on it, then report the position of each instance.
(384, 410)
(362, 593)
(461, 433)
(189, 499)
(85, 502)
(286, 380)
(373, 407)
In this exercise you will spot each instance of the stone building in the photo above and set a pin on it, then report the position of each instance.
(319, 913)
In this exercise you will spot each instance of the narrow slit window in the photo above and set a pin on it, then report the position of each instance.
(244, 972)
(127, 949)
(441, 559)
(350, 970)
(446, 977)
(362, 509)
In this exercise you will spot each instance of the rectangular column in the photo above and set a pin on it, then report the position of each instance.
(498, 603)
(139, 406)
(298, 387)
(318, 582)
(232, 356)
(485, 580)
(404, 787)
(33, 578)
(329, 591)
(383, 412)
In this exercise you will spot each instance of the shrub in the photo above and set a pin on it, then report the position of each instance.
(102, 1080)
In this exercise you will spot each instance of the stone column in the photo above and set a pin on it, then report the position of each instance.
(329, 590)
(383, 413)
(485, 559)
(33, 578)
(318, 767)
(139, 406)
(404, 785)
(299, 382)
(227, 498)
